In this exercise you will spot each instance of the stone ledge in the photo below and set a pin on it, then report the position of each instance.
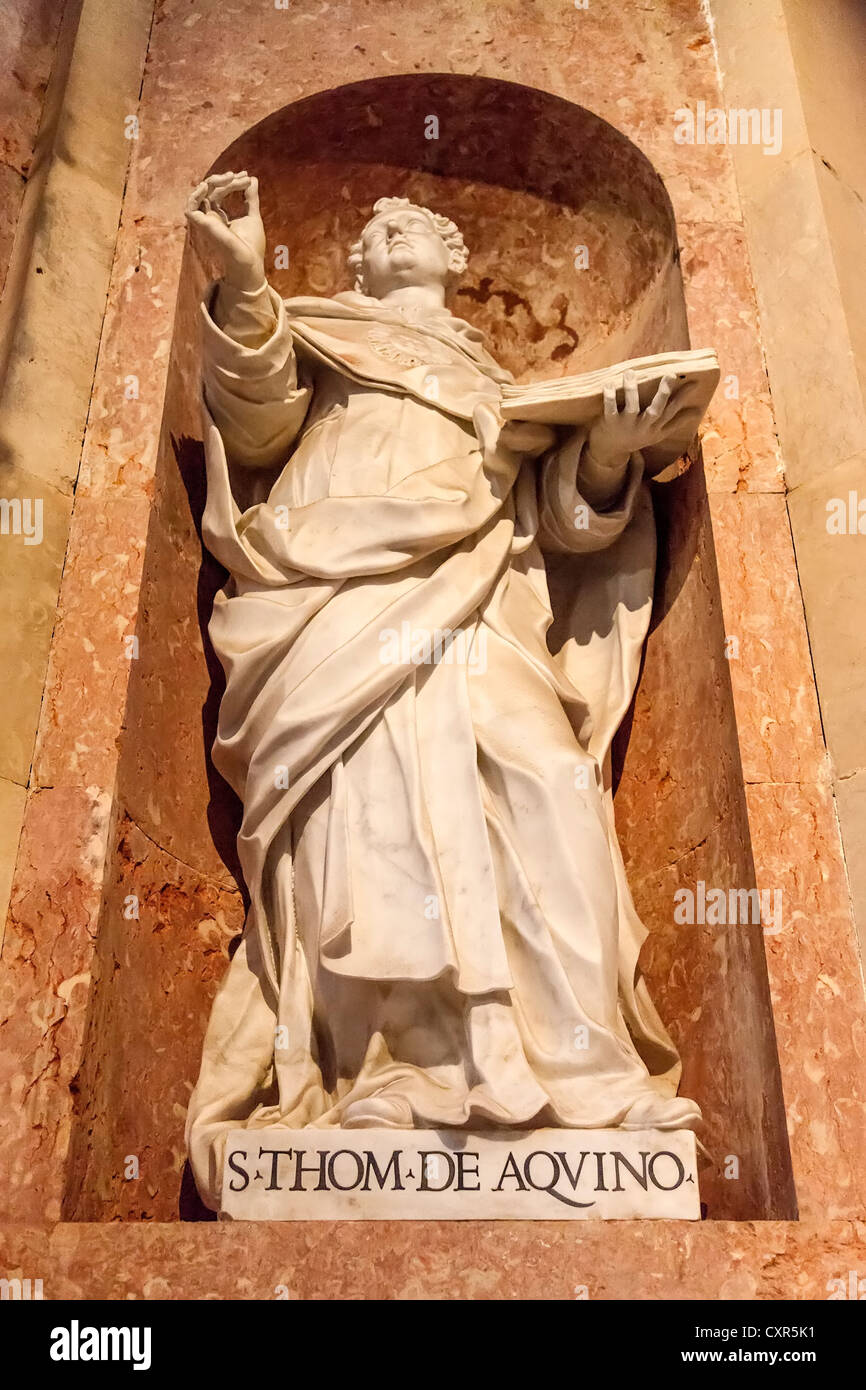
(438, 1260)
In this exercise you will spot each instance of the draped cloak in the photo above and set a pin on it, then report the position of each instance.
(438, 904)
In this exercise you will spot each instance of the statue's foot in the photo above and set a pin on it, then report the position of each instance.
(379, 1112)
(654, 1112)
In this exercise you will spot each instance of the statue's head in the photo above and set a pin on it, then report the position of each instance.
(404, 244)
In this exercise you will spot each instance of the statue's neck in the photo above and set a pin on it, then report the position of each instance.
(418, 299)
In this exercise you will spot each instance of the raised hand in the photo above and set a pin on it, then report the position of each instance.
(237, 244)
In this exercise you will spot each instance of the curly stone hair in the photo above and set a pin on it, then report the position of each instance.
(448, 230)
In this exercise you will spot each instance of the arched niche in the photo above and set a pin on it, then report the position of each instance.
(531, 179)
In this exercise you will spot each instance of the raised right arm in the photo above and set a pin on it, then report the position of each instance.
(250, 370)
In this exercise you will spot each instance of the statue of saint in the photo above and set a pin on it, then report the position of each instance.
(440, 932)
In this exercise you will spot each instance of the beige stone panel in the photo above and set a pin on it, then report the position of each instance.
(851, 809)
(11, 193)
(828, 42)
(757, 70)
(47, 389)
(59, 316)
(816, 391)
(12, 799)
(29, 585)
(845, 212)
(831, 569)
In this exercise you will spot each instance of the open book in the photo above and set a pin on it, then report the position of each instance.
(578, 400)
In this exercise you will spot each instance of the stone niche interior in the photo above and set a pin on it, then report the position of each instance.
(529, 178)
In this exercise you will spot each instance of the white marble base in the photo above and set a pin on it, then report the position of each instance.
(452, 1175)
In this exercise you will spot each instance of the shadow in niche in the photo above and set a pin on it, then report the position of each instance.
(528, 177)
(672, 502)
(677, 541)
(224, 810)
(190, 1206)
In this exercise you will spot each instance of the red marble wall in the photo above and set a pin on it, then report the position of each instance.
(103, 1014)
(517, 170)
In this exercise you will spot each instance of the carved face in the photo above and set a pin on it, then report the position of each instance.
(402, 248)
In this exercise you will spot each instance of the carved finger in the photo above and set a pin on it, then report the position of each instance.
(198, 193)
(252, 194)
(632, 395)
(219, 180)
(211, 209)
(660, 400)
(220, 185)
(610, 399)
(236, 183)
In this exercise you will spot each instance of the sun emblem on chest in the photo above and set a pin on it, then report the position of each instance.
(405, 347)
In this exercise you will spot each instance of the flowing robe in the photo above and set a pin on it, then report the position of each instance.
(438, 905)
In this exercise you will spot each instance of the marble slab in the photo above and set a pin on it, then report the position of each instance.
(450, 1175)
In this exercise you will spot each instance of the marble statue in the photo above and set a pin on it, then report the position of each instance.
(440, 932)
